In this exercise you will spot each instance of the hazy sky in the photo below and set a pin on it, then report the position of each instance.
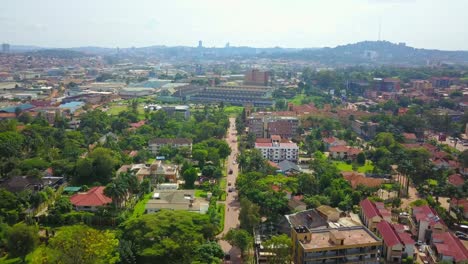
(440, 24)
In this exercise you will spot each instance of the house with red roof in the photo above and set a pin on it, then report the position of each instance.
(426, 222)
(447, 247)
(344, 152)
(373, 213)
(397, 243)
(456, 180)
(332, 142)
(409, 137)
(91, 200)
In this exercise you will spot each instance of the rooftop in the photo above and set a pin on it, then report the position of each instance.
(352, 236)
(94, 197)
(449, 245)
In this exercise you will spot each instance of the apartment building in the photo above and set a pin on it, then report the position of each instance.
(335, 245)
(397, 244)
(447, 247)
(277, 149)
(266, 124)
(373, 213)
(364, 129)
(156, 144)
(426, 222)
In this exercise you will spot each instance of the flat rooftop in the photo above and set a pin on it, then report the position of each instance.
(353, 236)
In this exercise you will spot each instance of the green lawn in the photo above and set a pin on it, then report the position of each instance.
(233, 110)
(343, 166)
(221, 213)
(297, 100)
(200, 193)
(139, 208)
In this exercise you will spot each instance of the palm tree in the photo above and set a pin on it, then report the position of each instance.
(115, 191)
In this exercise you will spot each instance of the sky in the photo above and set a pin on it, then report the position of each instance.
(435, 24)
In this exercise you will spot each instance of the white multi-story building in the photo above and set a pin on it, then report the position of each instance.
(275, 149)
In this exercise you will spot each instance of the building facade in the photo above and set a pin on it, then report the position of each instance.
(335, 245)
(156, 144)
(275, 149)
(257, 77)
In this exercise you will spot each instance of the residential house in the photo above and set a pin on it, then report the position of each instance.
(288, 167)
(335, 245)
(397, 245)
(447, 247)
(163, 170)
(277, 149)
(426, 222)
(296, 204)
(156, 144)
(90, 200)
(176, 200)
(364, 129)
(333, 142)
(344, 152)
(373, 213)
(409, 137)
(456, 180)
(356, 179)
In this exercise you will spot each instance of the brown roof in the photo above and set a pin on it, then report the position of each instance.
(356, 179)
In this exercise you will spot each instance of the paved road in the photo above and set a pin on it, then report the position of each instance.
(232, 204)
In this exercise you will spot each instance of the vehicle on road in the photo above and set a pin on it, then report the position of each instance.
(230, 171)
(229, 183)
(227, 256)
(231, 189)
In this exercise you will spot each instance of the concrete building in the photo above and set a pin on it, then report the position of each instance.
(176, 200)
(364, 129)
(335, 245)
(397, 244)
(344, 152)
(266, 124)
(276, 149)
(257, 77)
(426, 222)
(373, 213)
(259, 96)
(156, 144)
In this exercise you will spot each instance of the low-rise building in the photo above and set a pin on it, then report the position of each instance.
(176, 200)
(90, 200)
(397, 244)
(344, 152)
(156, 144)
(276, 149)
(335, 245)
(373, 213)
(447, 247)
(364, 129)
(426, 222)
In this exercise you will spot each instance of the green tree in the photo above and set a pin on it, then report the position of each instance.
(190, 176)
(167, 236)
(210, 253)
(22, 239)
(239, 238)
(79, 244)
(249, 215)
(281, 247)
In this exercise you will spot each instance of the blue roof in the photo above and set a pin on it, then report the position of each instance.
(12, 109)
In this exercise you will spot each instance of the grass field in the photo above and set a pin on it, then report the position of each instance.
(200, 193)
(343, 166)
(222, 214)
(297, 100)
(233, 110)
(139, 208)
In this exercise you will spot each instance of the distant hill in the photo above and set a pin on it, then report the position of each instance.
(58, 53)
(380, 52)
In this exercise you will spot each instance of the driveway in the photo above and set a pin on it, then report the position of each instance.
(232, 204)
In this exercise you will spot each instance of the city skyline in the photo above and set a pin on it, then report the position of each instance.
(297, 24)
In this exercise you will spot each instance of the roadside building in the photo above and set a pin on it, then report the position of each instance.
(335, 245)
(397, 244)
(447, 247)
(276, 149)
(373, 213)
(426, 222)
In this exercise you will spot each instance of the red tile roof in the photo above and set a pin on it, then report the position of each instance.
(409, 136)
(460, 203)
(137, 124)
(456, 179)
(448, 245)
(369, 208)
(356, 179)
(94, 197)
(388, 234)
(426, 213)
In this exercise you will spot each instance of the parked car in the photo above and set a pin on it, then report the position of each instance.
(229, 183)
(230, 171)
(227, 256)
(231, 189)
